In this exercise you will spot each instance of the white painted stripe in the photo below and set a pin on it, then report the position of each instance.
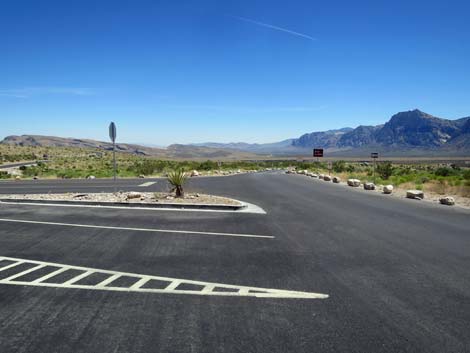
(50, 275)
(208, 287)
(108, 280)
(11, 265)
(79, 277)
(140, 282)
(191, 232)
(278, 295)
(243, 291)
(149, 183)
(173, 285)
(249, 209)
(24, 272)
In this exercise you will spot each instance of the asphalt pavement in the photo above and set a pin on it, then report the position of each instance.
(396, 272)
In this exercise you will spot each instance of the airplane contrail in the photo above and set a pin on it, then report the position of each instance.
(274, 27)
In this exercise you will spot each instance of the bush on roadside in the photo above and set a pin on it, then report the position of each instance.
(384, 170)
(339, 166)
(177, 178)
(444, 171)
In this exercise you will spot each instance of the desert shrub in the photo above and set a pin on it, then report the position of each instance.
(423, 179)
(208, 165)
(466, 174)
(177, 178)
(339, 166)
(444, 171)
(385, 170)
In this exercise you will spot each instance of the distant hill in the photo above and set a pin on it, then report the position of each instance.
(173, 151)
(281, 147)
(53, 141)
(412, 133)
(325, 139)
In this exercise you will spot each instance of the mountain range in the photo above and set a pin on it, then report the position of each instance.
(410, 133)
(406, 133)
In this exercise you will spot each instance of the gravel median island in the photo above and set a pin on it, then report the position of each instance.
(128, 197)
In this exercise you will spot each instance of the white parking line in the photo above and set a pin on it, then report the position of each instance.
(174, 231)
(206, 288)
(24, 272)
(50, 275)
(78, 278)
(10, 266)
(108, 280)
(149, 183)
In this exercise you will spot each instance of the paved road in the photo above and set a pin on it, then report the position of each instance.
(396, 272)
(19, 164)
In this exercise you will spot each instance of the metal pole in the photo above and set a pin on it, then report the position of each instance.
(114, 164)
(374, 170)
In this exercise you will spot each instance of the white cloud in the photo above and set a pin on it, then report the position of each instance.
(285, 30)
(39, 91)
(247, 109)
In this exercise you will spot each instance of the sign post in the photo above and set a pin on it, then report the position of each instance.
(374, 156)
(112, 136)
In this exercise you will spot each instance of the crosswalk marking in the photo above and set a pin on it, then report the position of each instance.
(208, 288)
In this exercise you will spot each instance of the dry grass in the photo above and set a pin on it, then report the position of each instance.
(442, 188)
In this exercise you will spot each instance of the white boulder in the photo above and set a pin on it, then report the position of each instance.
(91, 177)
(336, 180)
(194, 173)
(327, 178)
(415, 194)
(369, 186)
(354, 182)
(447, 200)
(134, 195)
(388, 189)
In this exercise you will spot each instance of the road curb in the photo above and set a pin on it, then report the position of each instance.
(186, 206)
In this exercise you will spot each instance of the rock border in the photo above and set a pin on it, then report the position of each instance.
(389, 189)
(186, 206)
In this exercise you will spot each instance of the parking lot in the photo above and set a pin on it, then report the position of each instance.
(323, 270)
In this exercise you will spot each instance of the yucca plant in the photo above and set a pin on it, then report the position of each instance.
(177, 178)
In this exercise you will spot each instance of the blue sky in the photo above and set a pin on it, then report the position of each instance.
(255, 71)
